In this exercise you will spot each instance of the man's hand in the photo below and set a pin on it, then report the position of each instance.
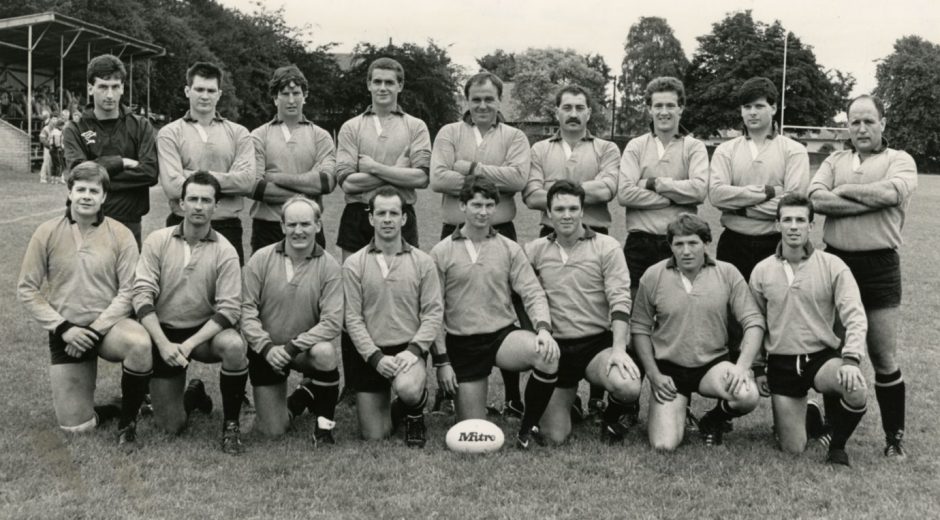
(737, 379)
(624, 364)
(129, 164)
(171, 354)
(72, 351)
(278, 358)
(851, 379)
(663, 387)
(762, 385)
(367, 164)
(546, 345)
(388, 367)
(406, 360)
(81, 338)
(462, 167)
(447, 379)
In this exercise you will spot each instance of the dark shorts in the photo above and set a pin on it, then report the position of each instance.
(643, 250)
(473, 357)
(160, 369)
(59, 357)
(355, 231)
(687, 379)
(544, 231)
(267, 232)
(793, 375)
(878, 274)
(263, 374)
(507, 229)
(230, 228)
(577, 354)
(361, 377)
(746, 251)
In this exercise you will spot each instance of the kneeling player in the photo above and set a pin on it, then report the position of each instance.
(587, 283)
(76, 281)
(801, 290)
(680, 332)
(393, 314)
(188, 297)
(292, 307)
(479, 270)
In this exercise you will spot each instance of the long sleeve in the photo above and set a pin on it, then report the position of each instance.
(795, 180)
(512, 174)
(331, 309)
(526, 284)
(347, 152)
(355, 322)
(32, 276)
(120, 306)
(145, 174)
(629, 193)
(616, 283)
(443, 156)
(848, 302)
(172, 172)
(147, 277)
(722, 193)
(228, 290)
(693, 189)
(431, 313)
(252, 330)
(240, 178)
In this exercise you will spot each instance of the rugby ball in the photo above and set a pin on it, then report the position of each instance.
(475, 436)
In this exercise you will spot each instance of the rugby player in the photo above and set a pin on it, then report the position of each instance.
(587, 283)
(292, 156)
(203, 140)
(187, 295)
(77, 280)
(801, 292)
(479, 270)
(864, 193)
(110, 134)
(292, 308)
(481, 143)
(393, 314)
(679, 326)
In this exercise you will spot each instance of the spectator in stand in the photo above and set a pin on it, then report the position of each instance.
(56, 151)
(45, 139)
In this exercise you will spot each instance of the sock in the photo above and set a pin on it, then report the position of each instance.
(134, 386)
(844, 420)
(300, 399)
(831, 404)
(325, 386)
(232, 386)
(538, 392)
(617, 409)
(416, 410)
(723, 412)
(597, 392)
(511, 385)
(889, 390)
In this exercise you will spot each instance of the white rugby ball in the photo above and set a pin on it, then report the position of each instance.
(475, 436)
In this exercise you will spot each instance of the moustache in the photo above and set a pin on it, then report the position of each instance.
(572, 120)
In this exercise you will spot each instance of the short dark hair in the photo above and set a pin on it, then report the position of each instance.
(387, 64)
(574, 90)
(89, 171)
(283, 77)
(797, 201)
(481, 78)
(756, 88)
(473, 184)
(386, 191)
(879, 104)
(105, 66)
(665, 84)
(688, 224)
(203, 178)
(564, 187)
(204, 69)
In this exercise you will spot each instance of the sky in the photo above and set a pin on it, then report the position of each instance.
(845, 35)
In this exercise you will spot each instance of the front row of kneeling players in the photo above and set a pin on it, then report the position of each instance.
(401, 304)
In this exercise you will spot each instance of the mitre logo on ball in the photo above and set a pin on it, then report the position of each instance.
(475, 436)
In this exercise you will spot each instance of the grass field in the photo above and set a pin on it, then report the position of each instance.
(46, 474)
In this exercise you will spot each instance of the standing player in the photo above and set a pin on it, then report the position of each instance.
(479, 270)
(111, 135)
(76, 281)
(680, 332)
(482, 144)
(204, 140)
(292, 308)
(188, 296)
(393, 314)
(801, 291)
(292, 156)
(864, 193)
(588, 288)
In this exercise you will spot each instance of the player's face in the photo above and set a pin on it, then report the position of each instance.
(484, 103)
(203, 95)
(387, 218)
(478, 211)
(689, 252)
(794, 225)
(290, 101)
(865, 126)
(665, 111)
(86, 198)
(573, 112)
(758, 115)
(384, 87)
(199, 204)
(566, 214)
(106, 93)
(300, 226)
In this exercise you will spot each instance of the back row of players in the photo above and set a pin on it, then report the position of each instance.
(574, 283)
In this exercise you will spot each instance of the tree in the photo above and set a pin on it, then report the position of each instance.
(909, 85)
(652, 50)
(739, 48)
(501, 63)
(541, 72)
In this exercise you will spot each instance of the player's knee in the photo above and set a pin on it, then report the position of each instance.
(409, 389)
(623, 389)
(324, 356)
(855, 398)
(539, 363)
(745, 400)
(883, 362)
(231, 348)
(139, 355)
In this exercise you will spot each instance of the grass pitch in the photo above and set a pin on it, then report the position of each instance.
(46, 474)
